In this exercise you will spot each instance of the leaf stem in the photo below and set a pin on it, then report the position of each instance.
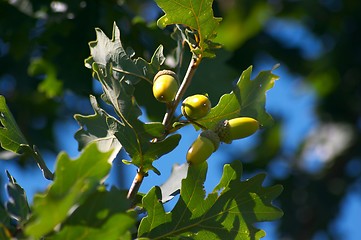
(132, 74)
(39, 161)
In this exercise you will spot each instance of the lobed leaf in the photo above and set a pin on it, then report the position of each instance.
(11, 137)
(116, 227)
(134, 135)
(118, 72)
(100, 128)
(103, 215)
(74, 181)
(5, 224)
(99, 207)
(248, 98)
(104, 51)
(17, 206)
(196, 15)
(229, 212)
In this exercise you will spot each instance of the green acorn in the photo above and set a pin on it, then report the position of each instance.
(202, 148)
(196, 106)
(236, 128)
(165, 86)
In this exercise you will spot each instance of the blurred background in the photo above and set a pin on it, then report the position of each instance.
(313, 149)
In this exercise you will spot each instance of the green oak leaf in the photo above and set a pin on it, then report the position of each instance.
(99, 217)
(100, 128)
(197, 15)
(74, 181)
(17, 206)
(11, 138)
(99, 207)
(248, 98)
(229, 212)
(6, 227)
(134, 135)
(51, 86)
(104, 50)
(115, 228)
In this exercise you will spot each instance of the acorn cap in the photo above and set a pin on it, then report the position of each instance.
(223, 131)
(211, 135)
(165, 72)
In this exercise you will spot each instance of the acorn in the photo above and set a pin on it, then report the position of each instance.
(202, 148)
(236, 128)
(196, 106)
(165, 86)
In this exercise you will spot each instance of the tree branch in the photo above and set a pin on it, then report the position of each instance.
(133, 190)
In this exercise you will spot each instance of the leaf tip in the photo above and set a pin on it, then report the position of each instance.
(162, 22)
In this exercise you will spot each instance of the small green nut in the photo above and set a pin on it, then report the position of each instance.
(202, 148)
(165, 86)
(196, 106)
(236, 128)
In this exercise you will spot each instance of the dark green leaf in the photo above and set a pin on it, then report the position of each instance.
(17, 206)
(99, 207)
(229, 212)
(104, 51)
(13, 140)
(115, 228)
(99, 128)
(114, 67)
(196, 15)
(102, 216)
(134, 135)
(248, 98)
(11, 137)
(156, 214)
(4, 233)
(4, 223)
(148, 152)
(74, 181)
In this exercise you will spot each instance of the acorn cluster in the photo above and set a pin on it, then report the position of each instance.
(226, 131)
(165, 88)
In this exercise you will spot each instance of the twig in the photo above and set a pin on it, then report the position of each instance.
(39, 161)
(182, 89)
(138, 179)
